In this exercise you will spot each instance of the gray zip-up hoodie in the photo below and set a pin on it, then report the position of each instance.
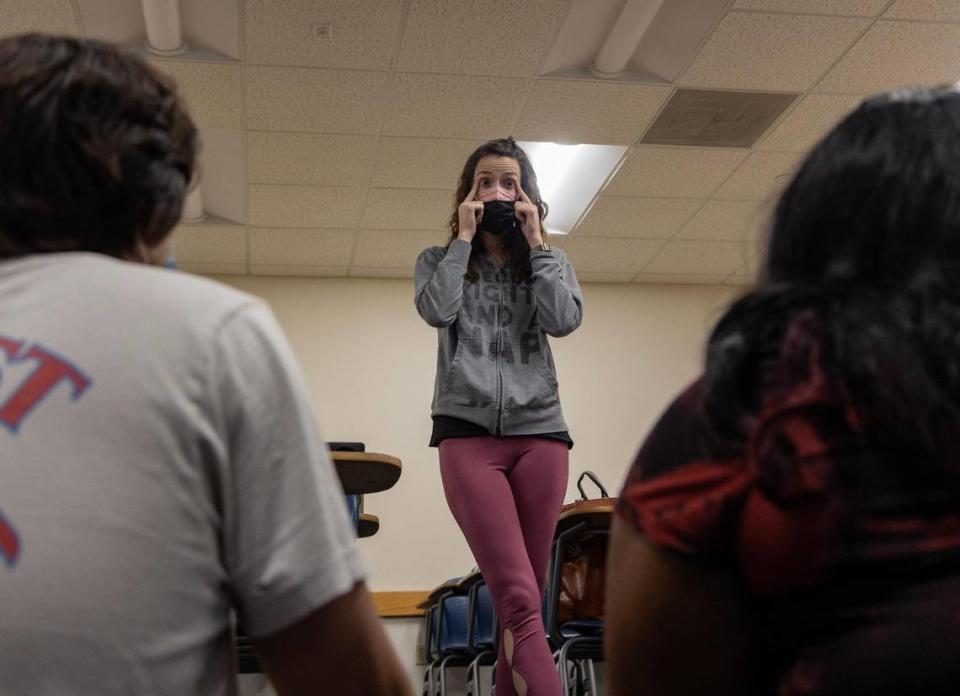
(494, 366)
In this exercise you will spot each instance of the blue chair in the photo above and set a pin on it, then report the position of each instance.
(435, 646)
(481, 629)
(452, 638)
(430, 638)
(353, 508)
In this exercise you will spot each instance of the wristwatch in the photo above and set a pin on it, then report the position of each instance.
(542, 246)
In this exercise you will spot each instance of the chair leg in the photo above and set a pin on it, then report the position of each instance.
(470, 680)
(474, 685)
(578, 677)
(563, 668)
(427, 688)
(442, 691)
(591, 670)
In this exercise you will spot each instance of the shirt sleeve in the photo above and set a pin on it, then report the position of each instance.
(439, 282)
(288, 544)
(685, 490)
(558, 294)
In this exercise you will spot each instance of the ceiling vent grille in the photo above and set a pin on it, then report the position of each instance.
(715, 118)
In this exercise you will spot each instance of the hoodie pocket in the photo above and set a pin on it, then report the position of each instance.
(472, 377)
(529, 384)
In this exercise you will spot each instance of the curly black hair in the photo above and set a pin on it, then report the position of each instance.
(861, 284)
(96, 150)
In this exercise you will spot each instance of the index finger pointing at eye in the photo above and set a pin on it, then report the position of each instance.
(524, 197)
(473, 191)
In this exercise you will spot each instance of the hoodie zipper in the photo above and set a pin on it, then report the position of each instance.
(499, 358)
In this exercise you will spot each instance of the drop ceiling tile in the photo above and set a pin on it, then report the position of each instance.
(364, 33)
(680, 278)
(420, 162)
(572, 111)
(407, 209)
(209, 269)
(481, 37)
(861, 8)
(303, 206)
(595, 277)
(204, 243)
(894, 54)
(595, 254)
(778, 52)
(51, 16)
(301, 271)
(644, 218)
(937, 10)
(116, 22)
(761, 177)
(728, 221)
(309, 158)
(223, 179)
(212, 91)
(321, 101)
(394, 248)
(451, 106)
(684, 256)
(362, 272)
(812, 119)
(300, 247)
(674, 172)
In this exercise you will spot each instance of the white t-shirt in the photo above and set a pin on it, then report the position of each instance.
(159, 462)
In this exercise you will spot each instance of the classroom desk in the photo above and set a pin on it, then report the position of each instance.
(596, 513)
(368, 526)
(366, 472)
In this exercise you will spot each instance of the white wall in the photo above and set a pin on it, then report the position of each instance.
(370, 361)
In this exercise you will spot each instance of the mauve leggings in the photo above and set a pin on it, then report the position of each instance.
(505, 494)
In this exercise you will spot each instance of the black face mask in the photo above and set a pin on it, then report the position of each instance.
(498, 217)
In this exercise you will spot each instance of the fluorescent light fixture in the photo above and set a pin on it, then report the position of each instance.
(570, 177)
(193, 210)
(624, 38)
(164, 28)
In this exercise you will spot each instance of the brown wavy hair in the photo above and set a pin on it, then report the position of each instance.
(518, 251)
(96, 150)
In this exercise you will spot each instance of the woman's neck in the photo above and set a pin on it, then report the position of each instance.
(494, 246)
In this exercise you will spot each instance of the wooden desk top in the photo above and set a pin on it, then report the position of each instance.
(366, 472)
(468, 581)
(369, 525)
(597, 513)
(435, 593)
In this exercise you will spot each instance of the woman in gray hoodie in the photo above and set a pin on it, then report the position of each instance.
(495, 293)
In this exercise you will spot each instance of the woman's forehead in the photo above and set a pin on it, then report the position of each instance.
(492, 164)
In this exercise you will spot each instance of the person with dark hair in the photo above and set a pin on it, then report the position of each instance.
(495, 293)
(159, 458)
(792, 523)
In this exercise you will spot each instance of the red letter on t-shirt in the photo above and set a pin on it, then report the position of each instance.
(50, 371)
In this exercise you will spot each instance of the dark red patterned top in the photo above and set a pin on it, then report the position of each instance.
(853, 560)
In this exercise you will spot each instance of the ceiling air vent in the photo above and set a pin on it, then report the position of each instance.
(715, 118)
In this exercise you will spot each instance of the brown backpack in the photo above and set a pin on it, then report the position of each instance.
(585, 557)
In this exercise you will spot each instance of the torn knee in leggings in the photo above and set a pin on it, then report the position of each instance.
(519, 685)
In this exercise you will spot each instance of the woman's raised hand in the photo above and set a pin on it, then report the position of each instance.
(470, 212)
(529, 217)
